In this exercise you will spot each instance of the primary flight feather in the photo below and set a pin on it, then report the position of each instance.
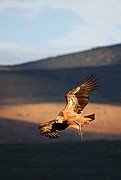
(71, 115)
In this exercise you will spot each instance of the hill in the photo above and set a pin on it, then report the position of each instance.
(48, 80)
(110, 55)
(35, 86)
(28, 86)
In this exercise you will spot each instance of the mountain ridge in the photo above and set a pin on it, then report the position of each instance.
(34, 83)
(101, 56)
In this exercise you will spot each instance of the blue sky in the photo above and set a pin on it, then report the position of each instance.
(36, 29)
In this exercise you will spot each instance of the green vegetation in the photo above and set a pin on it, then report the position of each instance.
(96, 160)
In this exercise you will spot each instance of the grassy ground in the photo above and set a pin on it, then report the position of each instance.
(91, 160)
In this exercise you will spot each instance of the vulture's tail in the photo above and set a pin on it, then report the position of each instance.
(91, 117)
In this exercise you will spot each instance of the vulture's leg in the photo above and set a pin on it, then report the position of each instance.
(79, 130)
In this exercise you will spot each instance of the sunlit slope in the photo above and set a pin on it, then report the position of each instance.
(108, 117)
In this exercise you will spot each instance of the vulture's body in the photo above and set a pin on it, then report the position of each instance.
(71, 115)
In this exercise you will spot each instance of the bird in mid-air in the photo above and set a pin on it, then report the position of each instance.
(71, 115)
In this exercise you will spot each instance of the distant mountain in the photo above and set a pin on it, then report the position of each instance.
(48, 80)
(4, 68)
(102, 56)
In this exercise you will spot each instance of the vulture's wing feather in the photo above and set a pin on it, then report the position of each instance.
(52, 129)
(78, 98)
(51, 135)
(60, 126)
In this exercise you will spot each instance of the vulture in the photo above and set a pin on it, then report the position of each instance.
(72, 114)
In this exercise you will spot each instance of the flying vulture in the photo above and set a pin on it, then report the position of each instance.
(71, 115)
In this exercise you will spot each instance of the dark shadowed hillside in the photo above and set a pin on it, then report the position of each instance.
(48, 80)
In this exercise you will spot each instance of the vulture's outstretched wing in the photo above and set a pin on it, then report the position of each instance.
(78, 98)
(52, 129)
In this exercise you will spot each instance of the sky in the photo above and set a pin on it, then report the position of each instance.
(35, 29)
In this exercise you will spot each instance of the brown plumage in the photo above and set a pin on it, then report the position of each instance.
(71, 115)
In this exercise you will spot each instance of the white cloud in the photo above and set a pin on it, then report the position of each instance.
(8, 4)
(31, 8)
(104, 12)
(11, 53)
(88, 36)
(8, 46)
(102, 24)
